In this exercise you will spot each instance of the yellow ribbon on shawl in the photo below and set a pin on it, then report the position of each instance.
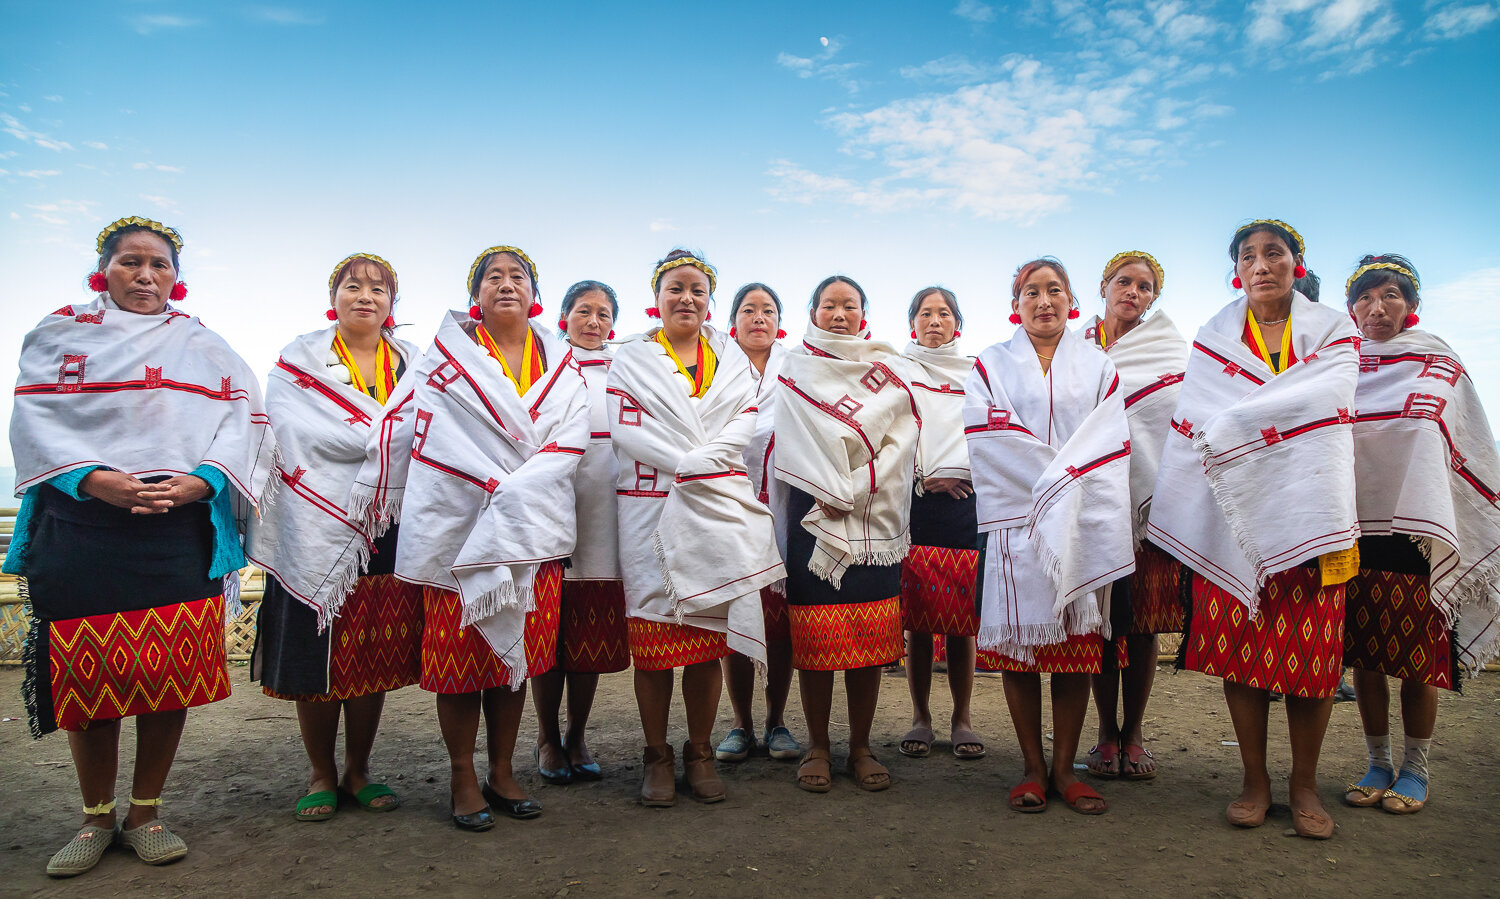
(1278, 365)
(385, 372)
(708, 363)
(530, 371)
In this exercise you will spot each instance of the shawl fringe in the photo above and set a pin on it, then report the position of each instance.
(29, 682)
(506, 596)
(1238, 522)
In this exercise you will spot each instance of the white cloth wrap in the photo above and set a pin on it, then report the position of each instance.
(760, 453)
(942, 451)
(1151, 360)
(847, 429)
(696, 545)
(1050, 455)
(305, 536)
(597, 555)
(1425, 465)
(142, 394)
(1258, 472)
(485, 479)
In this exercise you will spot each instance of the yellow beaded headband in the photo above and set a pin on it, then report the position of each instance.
(348, 259)
(1301, 244)
(169, 233)
(1388, 266)
(1161, 278)
(695, 262)
(515, 251)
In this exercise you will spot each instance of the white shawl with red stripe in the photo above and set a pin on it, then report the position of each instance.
(1050, 453)
(847, 428)
(1425, 464)
(696, 545)
(143, 394)
(942, 451)
(597, 555)
(305, 536)
(488, 478)
(1258, 473)
(760, 453)
(1150, 360)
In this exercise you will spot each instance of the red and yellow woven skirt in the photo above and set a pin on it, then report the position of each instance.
(458, 659)
(375, 641)
(594, 638)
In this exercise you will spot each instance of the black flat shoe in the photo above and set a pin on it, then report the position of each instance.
(586, 771)
(477, 822)
(520, 809)
(558, 776)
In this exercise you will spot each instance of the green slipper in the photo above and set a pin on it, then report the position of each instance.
(371, 792)
(313, 800)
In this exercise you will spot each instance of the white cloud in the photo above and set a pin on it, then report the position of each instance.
(49, 218)
(1460, 20)
(148, 24)
(955, 68)
(280, 15)
(1287, 31)
(95, 145)
(156, 167)
(166, 203)
(974, 11)
(660, 225)
(39, 173)
(822, 65)
(52, 98)
(13, 127)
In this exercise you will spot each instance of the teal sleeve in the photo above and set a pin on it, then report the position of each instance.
(229, 555)
(20, 540)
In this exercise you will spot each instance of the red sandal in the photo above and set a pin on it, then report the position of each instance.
(1079, 790)
(1019, 793)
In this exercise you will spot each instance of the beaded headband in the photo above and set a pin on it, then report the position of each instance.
(695, 262)
(531, 266)
(1301, 244)
(169, 233)
(1161, 277)
(348, 259)
(1389, 266)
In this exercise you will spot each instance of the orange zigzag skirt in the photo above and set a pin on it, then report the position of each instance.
(457, 659)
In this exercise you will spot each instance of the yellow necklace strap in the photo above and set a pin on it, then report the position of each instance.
(1381, 266)
(1279, 364)
(135, 801)
(102, 808)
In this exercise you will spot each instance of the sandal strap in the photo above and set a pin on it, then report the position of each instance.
(155, 802)
(102, 808)
(1392, 794)
(1366, 791)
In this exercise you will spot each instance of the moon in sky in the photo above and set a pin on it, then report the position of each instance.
(823, 41)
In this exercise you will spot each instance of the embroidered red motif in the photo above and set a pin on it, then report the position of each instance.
(304, 380)
(1184, 427)
(153, 377)
(1073, 472)
(535, 413)
(1369, 363)
(296, 475)
(1458, 460)
(66, 310)
(645, 477)
(1310, 357)
(224, 388)
(1444, 368)
(630, 413)
(1127, 447)
(876, 378)
(1346, 417)
(1231, 369)
(491, 485)
(999, 419)
(1271, 435)
(419, 431)
(70, 373)
(1423, 405)
(84, 318)
(847, 406)
(445, 374)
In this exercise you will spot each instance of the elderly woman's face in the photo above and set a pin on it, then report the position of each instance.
(505, 288)
(1265, 266)
(590, 320)
(1381, 311)
(140, 273)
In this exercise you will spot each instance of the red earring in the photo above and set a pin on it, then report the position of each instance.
(390, 322)
(1073, 313)
(1355, 320)
(562, 325)
(179, 291)
(332, 315)
(98, 283)
(653, 312)
(1299, 272)
(1410, 321)
(957, 333)
(863, 324)
(731, 331)
(611, 336)
(710, 317)
(1237, 283)
(1015, 318)
(914, 334)
(536, 309)
(474, 312)
(780, 333)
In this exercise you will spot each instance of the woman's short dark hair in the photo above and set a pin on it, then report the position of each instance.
(739, 297)
(1244, 232)
(583, 287)
(1379, 276)
(864, 303)
(484, 264)
(924, 293)
(112, 245)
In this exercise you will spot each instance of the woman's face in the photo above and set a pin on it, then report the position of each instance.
(590, 320)
(1043, 303)
(839, 310)
(934, 322)
(1265, 266)
(1130, 292)
(756, 322)
(140, 273)
(361, 298)
(505, 292)
(1381, 311)
(682, 299)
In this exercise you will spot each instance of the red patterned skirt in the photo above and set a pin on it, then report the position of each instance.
(594, 637)
(1294, 646)
(376, 641)
(778, 622)
(1079, 654)
(660, 646)
(841, 636)
(937, 591)
(119, 664)
(457, 659)
(1155, 591)
(1392, 627)
(984, 659)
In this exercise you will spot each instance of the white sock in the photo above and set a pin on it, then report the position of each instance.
(1380, 752)
(1414, 757)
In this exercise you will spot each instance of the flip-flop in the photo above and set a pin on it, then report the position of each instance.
(1102, 756)
(967, 738)
(1020, 791)
(922, 743)
(371, 791)
(1133, 756)
(1079, 790)
(313, 800)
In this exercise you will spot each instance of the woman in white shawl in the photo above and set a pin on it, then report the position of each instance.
(141, 446)
(846, 444)
(756, 317)
(592, 639)
(940, 578)
(1255, 494)
(479, 467)
(1150, 356)
(335, 630)
(696, 545)
(1426, 475)
(1049, 448)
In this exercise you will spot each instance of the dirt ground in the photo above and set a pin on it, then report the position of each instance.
(943, 828)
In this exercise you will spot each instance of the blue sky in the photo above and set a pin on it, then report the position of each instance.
(901, 147)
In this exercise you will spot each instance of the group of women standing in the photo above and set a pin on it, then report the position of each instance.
(708, 500)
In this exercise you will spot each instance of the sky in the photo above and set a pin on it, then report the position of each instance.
(901, 145)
